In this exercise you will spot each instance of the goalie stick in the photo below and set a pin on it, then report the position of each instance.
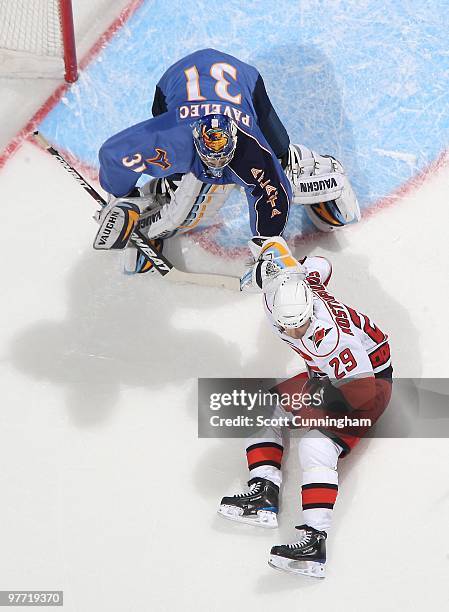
(140, 241)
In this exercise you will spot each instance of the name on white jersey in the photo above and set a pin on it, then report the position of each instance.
(337, 309)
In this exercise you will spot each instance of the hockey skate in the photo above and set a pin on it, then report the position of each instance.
(307, 556)
(258, 507)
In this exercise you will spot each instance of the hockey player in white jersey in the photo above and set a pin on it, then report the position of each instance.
(349, 370)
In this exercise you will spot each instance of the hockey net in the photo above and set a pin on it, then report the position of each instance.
(37, 39)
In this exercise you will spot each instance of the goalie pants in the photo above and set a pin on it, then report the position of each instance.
(318, 452)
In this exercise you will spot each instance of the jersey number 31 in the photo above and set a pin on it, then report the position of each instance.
(217, 72)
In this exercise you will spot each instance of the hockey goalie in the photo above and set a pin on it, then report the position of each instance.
(213, 128)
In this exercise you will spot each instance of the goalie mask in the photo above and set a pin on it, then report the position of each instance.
(215, 138)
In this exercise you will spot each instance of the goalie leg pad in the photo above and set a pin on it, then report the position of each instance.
(136, 263)
(116, 226)
(190, 204)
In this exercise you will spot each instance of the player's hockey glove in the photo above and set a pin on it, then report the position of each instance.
(272, 260)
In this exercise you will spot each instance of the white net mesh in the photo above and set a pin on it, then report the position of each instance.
(30, 38)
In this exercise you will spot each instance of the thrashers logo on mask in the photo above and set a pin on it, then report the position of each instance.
(214, 139)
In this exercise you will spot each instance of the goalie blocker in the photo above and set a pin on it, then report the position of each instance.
(117, 222)
(161, 208)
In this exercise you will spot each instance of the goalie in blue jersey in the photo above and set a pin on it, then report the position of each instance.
(213, 127)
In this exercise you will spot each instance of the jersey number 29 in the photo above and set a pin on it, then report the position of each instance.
(346, 361)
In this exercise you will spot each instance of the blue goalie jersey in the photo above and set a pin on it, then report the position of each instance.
(207, 82)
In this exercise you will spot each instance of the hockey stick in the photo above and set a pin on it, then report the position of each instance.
(140, 241)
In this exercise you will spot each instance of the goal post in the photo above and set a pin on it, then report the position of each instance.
(37, 39)
(68, 41)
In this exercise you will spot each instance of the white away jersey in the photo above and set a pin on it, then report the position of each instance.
(340, 342)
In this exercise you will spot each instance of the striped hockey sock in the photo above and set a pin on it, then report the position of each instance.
(319, 492)
(264, 461)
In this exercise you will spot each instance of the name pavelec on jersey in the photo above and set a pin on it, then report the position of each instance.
(193, 111)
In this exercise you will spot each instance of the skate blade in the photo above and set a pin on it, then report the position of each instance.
(303, 568)
(264, 518)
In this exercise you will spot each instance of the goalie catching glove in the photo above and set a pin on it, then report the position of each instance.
(320, 184)
(272, 261)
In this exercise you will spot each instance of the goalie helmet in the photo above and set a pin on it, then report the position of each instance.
(215, 138)
(293, 302)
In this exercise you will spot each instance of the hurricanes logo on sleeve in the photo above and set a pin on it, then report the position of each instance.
(318, 336)
(160, 159)
(214, 139)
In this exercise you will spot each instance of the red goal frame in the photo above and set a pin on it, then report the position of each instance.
(68, 40)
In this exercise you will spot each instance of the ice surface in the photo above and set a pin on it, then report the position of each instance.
(351, 78)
